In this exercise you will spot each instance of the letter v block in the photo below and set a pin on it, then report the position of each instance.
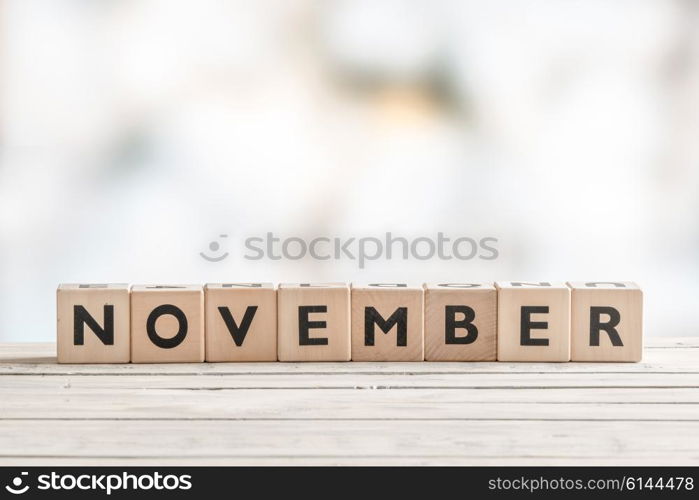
(167, 324)
(387, 322)
(460, 322)
(241, 322)
(93, 323)
(313, 322)
(533, 321)
(606, 321)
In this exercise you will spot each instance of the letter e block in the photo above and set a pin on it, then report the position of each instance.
(313, 322)
(93, 323)
(387, 322)
(533, 321)
(606, 321)
(241, 322)
(167, 324)
(460, 322)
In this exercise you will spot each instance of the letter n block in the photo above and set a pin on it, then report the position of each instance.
(241, 322)
(313, 322)
(387, 322)
(93, 323)
(606, 321)
(167, 324)
(533, 321)
(460, 322)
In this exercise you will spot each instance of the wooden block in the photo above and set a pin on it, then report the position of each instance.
(387, 322)
(460, 322)
(533, 321)
(313, 322)
(167, 324)
(606, 321)
(93, 323)
(241, 322)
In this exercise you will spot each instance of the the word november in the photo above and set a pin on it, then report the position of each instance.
(228, 322)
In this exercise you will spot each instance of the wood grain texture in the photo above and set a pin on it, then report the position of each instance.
(351, 413)
(327, 332)
(624, 299)
(260, 339)
(389, 303)
(94, 300)
(549, 330)
(481, 300)
(188, 301)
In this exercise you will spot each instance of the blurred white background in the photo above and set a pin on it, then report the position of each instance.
(133, 133)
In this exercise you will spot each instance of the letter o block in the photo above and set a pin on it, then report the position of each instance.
(93, 323)
(533, 321)
(460, 322)
(606, 321)
(167, 324)
(313, 322)
(387, 322)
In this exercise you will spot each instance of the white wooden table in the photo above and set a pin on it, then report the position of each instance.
(351, 413)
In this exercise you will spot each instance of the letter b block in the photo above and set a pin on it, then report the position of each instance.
(460, 322)
(533, 321)
(607, 321)
(167, 324)
(93, 323)
(387, 322)
(313, 322)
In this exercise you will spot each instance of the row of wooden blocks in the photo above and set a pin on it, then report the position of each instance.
(505, 321)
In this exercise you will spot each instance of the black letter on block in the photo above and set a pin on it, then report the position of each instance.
(305, 324)
(527, 325)
(157, 339)
(596, 325)
(81, 317)
(399, 317)
(595, 283)
(451, 324)
(238, 332)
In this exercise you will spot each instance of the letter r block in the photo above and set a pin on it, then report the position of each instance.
(313, 322)
(387, 322)
(167, 324)
(93, 323)
(241, 322)
(533, 321)
(606, 321)
(460, 322)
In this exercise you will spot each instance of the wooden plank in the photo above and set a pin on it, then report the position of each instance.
(663, 361)
(505, 381)
(667, 357)
(550, 404)
(675, 363)
(642, 395)
(403, 460)
(351, 413)
(446, 442)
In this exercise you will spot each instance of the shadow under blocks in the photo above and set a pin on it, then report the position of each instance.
(296, 322)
